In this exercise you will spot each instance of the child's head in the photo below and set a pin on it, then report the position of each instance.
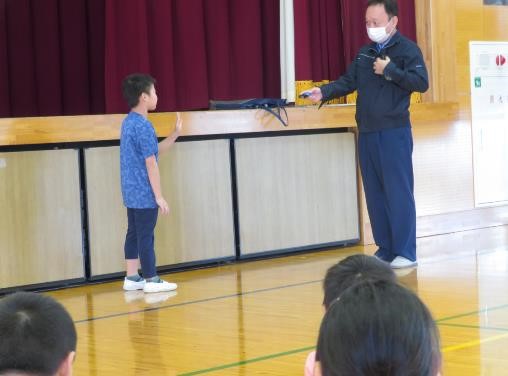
(37, 335)
(351, 270)
(137, 87)
(378, 328)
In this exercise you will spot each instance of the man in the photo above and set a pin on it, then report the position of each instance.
(38, 337)
(385, 73)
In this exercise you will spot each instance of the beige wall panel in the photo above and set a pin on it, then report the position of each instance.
(196, 182)
(443, 167)
(40, 225)
(296, 191)
(107, 217)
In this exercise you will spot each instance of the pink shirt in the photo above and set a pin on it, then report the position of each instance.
(310, 363)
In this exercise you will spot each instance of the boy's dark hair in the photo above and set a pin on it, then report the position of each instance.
(37, 334)
(134, 85)
(391, 6)
(351, 270)
(378, 328)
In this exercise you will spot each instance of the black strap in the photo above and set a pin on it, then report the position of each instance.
(278, 114)
(267, 104)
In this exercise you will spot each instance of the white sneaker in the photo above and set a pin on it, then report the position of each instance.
(400, 262)
(159, 286)
(129, 285)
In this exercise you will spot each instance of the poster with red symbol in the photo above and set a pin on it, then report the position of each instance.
(489, 113)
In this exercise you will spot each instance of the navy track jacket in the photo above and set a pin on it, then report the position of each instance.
(383, 100)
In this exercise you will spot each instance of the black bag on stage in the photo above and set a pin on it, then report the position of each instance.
(272, 105)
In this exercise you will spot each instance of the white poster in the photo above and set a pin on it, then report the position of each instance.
(489, 106)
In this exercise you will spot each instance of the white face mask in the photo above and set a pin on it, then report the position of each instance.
(378, 34)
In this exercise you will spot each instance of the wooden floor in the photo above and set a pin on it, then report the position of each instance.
(262, 318)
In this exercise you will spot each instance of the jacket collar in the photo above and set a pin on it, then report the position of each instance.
(394, 39)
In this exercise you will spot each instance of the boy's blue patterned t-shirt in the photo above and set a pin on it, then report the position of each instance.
(138, 141)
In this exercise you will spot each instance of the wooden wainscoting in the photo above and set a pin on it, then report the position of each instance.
(40, 224)
(196, 182)
(296, 191)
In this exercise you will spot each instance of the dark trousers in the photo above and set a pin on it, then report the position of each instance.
(139, 241)
(387, 172)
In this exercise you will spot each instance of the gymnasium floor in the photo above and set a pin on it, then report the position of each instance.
(262, 317)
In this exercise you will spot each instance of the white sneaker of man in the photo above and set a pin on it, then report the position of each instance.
(159, 286)
(400, 262)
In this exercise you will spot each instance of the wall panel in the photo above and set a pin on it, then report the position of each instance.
(296, 191)
(40, 224)
(196, 182)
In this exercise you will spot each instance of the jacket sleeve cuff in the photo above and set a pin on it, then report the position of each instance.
(391, 72)
(326, 92)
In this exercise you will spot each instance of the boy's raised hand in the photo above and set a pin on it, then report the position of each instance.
(179, 123)
(165, 144)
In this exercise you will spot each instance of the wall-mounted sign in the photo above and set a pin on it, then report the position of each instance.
(489, 110)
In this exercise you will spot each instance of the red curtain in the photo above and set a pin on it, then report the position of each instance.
(407, 19)
(318, 40)
(316, 20)
(197, 50)
(62, 57)
(51, 57)
(354, 27)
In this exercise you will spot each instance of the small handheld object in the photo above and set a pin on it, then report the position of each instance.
(305, 94)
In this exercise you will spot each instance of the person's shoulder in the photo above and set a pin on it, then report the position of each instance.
(130, 119)
(137, 121)
(406, 42)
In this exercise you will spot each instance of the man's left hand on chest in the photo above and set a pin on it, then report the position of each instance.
(380, 65)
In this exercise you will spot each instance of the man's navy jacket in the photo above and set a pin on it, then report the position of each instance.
(383, 100)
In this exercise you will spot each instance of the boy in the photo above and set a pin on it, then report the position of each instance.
(341, 276)
(378, 327)
(141, 188)
(38, 336)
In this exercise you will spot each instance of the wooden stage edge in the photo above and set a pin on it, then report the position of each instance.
(86, 128)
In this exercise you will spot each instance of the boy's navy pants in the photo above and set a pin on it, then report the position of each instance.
(387, 171)
(139, 241)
